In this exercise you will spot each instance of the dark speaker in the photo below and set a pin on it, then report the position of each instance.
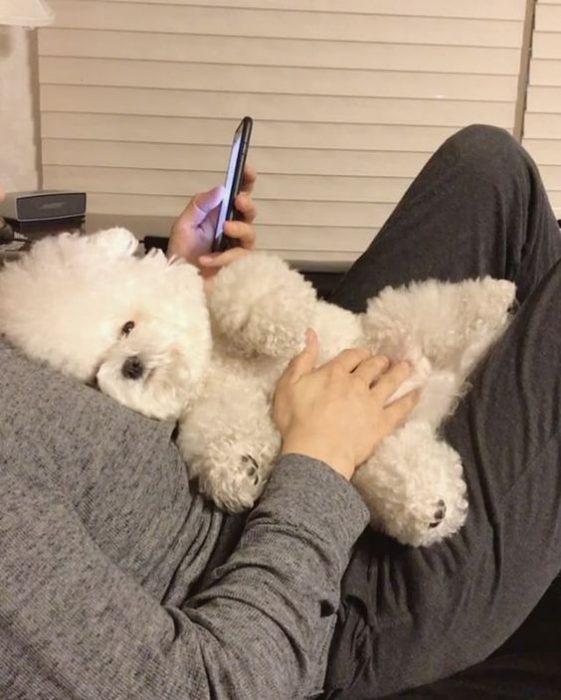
(44, 210)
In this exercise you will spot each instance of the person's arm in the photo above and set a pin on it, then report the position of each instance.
(73, 625)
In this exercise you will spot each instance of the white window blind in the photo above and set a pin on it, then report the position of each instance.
(139, 101)
(542, 122)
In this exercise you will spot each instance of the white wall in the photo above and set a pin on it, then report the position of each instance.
(18, 90)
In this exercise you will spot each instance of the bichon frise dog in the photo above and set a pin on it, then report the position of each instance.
(142, 329)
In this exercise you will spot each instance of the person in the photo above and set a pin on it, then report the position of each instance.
(117, 581)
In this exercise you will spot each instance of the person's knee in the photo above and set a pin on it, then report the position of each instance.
(486, 147)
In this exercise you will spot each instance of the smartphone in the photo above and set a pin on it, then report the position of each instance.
(234, 177)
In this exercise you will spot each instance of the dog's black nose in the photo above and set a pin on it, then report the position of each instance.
(132, 368)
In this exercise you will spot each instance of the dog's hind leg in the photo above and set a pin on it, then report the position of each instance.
(229, 441)
(413, 486)
(439, 320)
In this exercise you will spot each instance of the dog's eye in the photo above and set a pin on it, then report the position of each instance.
(127, 328)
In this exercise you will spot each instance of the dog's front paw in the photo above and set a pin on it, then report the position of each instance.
(413, 487)
(114, 242)
(262, 306)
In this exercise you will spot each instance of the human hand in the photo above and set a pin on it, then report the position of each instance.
(337, 413)
(193, 232)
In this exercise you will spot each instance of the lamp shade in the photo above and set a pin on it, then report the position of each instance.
(26, 13)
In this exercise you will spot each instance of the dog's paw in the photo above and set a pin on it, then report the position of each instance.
(232, 464)
(253, 470)
(499, 302)
(237, 488)
(439, 514)
(261, 306)
(413, 487)
(114, 242)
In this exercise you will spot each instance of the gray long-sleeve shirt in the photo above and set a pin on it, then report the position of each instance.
(104, 550)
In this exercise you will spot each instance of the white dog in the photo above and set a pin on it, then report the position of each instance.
(142, 329)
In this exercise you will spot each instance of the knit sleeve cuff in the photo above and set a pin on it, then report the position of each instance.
(311, 494)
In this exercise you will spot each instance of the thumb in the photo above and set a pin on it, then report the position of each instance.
(202, 204)
(305, 361)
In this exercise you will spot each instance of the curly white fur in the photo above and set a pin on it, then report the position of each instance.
(142, 329)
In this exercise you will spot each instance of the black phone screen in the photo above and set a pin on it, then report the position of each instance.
(234, 175)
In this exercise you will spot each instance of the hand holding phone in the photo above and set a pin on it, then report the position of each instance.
(234, 176)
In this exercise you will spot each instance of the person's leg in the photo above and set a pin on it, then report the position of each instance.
(477, 208)
(410, 616)
(528, 665)
(521, 676)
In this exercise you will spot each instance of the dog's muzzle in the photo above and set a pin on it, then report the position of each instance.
(132, 368)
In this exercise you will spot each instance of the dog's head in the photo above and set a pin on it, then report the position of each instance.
(138, 326)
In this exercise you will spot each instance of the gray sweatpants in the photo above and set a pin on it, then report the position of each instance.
(412, 615)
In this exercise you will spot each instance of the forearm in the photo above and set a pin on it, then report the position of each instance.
(83, 629)
(269, 600)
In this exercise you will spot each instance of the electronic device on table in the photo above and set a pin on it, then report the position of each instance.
(34, 214)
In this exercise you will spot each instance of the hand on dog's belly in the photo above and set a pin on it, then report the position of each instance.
(336, 413)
